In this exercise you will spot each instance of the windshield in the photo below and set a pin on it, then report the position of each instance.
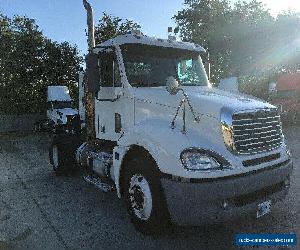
(62, 104)
(150, 66)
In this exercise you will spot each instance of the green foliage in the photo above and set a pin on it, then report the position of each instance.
(110, 26)
(203, 22)
(29, 62)
(256, 85)
(137, 69)
(243, 39)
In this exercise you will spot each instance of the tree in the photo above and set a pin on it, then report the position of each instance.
(29, 62)
(287, 26)
(202, 22)
(243, 39)
(110, 26)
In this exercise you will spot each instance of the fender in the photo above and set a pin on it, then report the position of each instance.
(162, 142)
(149, 135)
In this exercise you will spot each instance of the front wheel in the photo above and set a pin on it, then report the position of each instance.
(144, 198)
(62, 154)
(37, 127)
(56, 156)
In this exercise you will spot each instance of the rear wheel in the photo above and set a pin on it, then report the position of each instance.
(144, 197)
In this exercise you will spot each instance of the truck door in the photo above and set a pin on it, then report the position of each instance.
(108, 97)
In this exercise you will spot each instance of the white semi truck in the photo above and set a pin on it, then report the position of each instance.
(173, 148)
(60, 106)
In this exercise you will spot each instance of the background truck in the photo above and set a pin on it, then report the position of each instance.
(287, 97)
(59, 107)
(173, 148)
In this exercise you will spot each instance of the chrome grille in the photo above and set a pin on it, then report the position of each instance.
(256, 132)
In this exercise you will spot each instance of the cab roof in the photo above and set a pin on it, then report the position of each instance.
(142, 39)
(58, 93)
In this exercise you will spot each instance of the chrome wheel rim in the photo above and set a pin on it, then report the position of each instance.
(140, 197)
(55, 156)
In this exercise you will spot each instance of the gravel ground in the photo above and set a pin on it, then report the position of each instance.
(41, 211)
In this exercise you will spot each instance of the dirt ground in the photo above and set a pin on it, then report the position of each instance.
(41, 211)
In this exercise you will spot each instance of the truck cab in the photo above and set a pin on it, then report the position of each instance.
(173, 148)
(287, 97)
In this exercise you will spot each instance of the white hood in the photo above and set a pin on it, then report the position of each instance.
(204, 100)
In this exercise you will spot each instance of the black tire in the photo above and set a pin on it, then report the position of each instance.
(36, 127)
(158, 221)
(62, 154)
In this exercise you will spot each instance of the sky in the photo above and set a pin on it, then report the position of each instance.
(277, 6)
(65, 20)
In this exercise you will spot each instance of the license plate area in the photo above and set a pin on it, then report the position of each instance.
(263, 208)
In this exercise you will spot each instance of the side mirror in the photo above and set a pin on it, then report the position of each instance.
(172, 85)
(93, 74)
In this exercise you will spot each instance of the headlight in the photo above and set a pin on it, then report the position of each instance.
(197, 159)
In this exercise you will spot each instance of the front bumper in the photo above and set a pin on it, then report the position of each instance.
(202, 201)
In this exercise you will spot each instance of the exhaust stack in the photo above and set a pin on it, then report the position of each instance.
(90, 24)
(91, 76)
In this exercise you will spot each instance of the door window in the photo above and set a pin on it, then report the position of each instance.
(109, 70)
